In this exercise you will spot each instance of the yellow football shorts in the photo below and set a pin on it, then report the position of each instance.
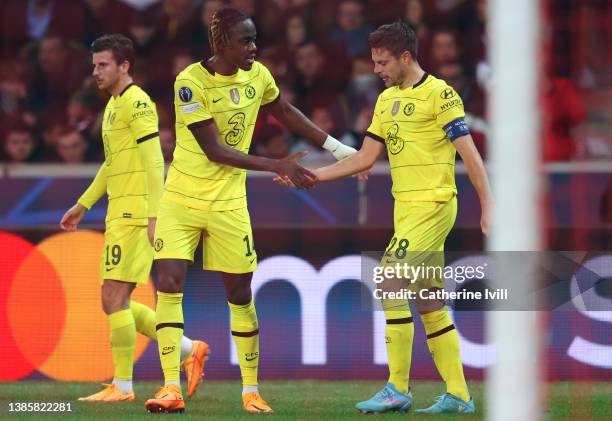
(227, 237)
(421, 229)
(127, 254)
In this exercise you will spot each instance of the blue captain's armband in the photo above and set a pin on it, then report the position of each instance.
(456, 128)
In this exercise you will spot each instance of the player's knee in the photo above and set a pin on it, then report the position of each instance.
(107, 307)
(240, 296)
(115, 296)
(170, 275)
(170, 283)
(427, 306)
(114, 303)
(238, 287)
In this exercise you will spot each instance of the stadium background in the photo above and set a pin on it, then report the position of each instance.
(51, 322)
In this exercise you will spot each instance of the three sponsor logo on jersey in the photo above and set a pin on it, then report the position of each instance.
(395, 144)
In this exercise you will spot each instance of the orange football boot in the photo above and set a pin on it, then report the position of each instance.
(110, 393)
(193, 365)
(254, 404)
(168, 398)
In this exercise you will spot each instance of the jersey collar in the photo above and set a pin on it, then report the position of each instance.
(126, 88)
(420, 82)
(205, 65)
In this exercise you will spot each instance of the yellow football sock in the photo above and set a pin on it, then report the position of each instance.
(245, 332)
(144, 317)
(443, 343)
(169, 326)
(123, 343)
(399, 334)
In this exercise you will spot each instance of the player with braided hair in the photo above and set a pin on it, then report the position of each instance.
(216, 103)
(220, 24)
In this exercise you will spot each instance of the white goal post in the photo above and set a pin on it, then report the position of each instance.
(513, 383)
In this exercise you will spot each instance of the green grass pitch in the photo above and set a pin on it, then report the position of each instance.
(293, 400)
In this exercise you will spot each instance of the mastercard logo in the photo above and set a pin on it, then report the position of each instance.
(52, 320)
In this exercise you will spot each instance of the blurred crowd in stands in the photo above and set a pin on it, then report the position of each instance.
(317, 50)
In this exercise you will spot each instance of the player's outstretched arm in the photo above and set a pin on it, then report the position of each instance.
(298, 123)
(360, 161)
(478, 176)
(288, 167)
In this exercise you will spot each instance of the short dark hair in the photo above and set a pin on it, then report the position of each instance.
(222, 21)
(396, 37)
(119, 45)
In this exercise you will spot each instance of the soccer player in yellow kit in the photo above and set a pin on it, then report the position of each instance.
(420, 121)
(216, 103)
(132, 177)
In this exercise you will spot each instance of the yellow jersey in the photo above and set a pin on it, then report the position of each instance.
(411, 122)
(129, 119)
(232, 103)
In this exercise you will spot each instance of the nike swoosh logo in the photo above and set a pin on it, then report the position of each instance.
(250, 359)
(109, 269)
(251, 262)
(167, 352)
(390, 261)
(217, 100)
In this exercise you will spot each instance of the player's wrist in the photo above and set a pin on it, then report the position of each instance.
(275, 166)
(486, 202)
(338, 149)
(331, 143)
(81, 207)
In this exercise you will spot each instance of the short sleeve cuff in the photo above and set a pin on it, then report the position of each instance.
(199, 124)
(375, 137)
(83, 203)
(273, 101)
(147, 137)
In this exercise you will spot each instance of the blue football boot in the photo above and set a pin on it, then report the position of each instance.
(385, 400)
(449, 404)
